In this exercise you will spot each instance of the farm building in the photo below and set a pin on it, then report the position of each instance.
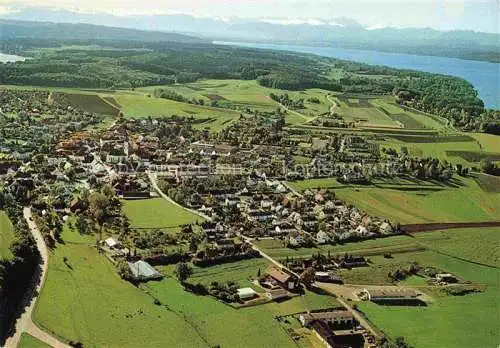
(337, 339)
(246, 293)
(141, 270)
(392, 295)
(327, 277)
(112, 243)
(287, 281)
(446, 278)
(336, 318)
(276, 294)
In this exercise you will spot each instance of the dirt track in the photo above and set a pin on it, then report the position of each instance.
(416, 228)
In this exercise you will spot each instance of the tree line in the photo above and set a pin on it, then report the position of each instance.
(16, 274)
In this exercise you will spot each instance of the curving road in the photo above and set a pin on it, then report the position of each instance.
(154, 183)
(25, 323)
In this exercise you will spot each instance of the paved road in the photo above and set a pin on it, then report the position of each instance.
(25, 322)
(154, 183)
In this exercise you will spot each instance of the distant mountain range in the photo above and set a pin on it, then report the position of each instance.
(338, 32)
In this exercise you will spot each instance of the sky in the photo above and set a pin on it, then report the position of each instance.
(478, 15)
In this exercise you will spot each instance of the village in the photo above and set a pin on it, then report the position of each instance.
(236, 183)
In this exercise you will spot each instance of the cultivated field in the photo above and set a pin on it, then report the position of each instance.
(157, 213)
(396, 244)
(477, 245)
(84, 300)
(246, 94)
(488, 183)
(487, 142)
(364, 113)
(92, 103)
(452, 149)
(6, 236)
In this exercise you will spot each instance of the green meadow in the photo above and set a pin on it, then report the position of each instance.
(466, 203)
(157, 213)
(222, 325)
(6, 236)
(243, 94)
(449, 321)
(84, 300)
(466, 151)
(241, 272)
(142, 106)
(276, 249)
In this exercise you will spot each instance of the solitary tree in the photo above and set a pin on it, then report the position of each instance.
(183, 271)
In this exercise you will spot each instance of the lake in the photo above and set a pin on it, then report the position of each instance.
(6, 58)
(484, 76)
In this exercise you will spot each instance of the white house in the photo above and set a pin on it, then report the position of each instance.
(112, 243)
(322, 237)
(246, 293)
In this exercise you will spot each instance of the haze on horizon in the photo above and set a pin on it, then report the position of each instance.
(476, 15)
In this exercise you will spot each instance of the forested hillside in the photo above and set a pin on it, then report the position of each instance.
(46, 30)
(130, 63)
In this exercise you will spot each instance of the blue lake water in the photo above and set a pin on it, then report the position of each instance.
(484, 76)
(5, 58)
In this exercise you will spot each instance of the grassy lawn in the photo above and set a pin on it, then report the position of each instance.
(6, 236)
(84, 300)
(28, 341)
(157, 213)
(467, 203)
(450, 321)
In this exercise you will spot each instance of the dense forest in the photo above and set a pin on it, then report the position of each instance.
(129, 64)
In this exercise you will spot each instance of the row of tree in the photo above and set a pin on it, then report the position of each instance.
(17, 275)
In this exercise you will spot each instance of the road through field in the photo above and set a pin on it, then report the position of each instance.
(154, 183)
(25, 322)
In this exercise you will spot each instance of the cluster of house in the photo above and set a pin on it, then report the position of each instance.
(314, 218)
